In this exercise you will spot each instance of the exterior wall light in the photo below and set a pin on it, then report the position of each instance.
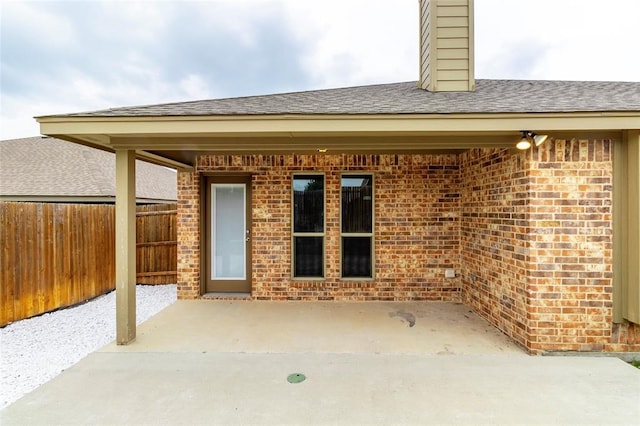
(539, 139)
(524, 143)
(529, 138)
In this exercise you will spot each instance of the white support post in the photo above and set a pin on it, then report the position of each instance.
(125, 246)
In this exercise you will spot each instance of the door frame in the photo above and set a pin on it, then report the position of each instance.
(205, 232)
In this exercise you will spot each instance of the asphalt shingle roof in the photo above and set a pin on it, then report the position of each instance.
(43, 166)
(490, 96)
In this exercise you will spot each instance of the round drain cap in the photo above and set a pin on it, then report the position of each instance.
(296, 378)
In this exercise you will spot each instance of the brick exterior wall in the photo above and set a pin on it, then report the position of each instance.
(571, 307)
(536, 245)
(528, 233)
(495, 238)
(188, 222)
(416, 226)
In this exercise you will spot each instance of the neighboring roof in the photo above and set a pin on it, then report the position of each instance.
(490, 96)
(51, 168)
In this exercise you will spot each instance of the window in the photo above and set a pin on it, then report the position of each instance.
(357, 226)
(308, 226)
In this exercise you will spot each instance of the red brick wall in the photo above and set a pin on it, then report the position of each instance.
(188, 235)
(536, 245)
(528, 233)
(495, 238)
(624, 337)
(571, 250)
(416, 226)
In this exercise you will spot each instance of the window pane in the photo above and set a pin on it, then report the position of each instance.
(228, 249)
(357, 203)
(356, 257)
(308, 203)
(308, 256)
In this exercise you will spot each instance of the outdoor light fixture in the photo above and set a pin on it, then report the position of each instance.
(539, 139)
(524, 143)
(529, 138)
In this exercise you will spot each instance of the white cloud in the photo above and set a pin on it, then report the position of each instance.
(559, 40)
(137, 20)
(60, 57)
(37, 23)
(357, 42)
(195, 86)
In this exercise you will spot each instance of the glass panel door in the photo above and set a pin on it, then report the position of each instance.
(228, 231)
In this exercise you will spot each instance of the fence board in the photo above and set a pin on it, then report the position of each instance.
(156, 244)
(58, 255)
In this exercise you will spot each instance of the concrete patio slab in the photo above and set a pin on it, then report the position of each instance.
(319, 327)
(222, 388)
(237, 373)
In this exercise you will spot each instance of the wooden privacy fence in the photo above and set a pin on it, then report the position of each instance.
(58, 255)
(157, 245)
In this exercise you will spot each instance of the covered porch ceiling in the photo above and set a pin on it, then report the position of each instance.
(176, 141)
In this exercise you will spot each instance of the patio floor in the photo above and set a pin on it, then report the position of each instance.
(323, 327)
(222, 362)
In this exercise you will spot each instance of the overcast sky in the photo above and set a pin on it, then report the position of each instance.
(71, 56)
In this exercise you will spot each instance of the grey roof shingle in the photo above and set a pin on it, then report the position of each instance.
(43, 166)
(490, 96)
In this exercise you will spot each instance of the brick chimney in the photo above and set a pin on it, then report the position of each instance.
(446, 45)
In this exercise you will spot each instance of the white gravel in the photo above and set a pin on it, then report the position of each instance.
(36, 350)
